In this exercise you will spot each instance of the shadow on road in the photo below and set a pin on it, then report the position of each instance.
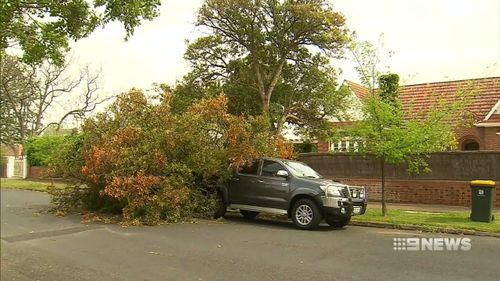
(272, 222)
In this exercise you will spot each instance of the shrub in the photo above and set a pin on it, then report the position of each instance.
(67, 160)
(305, 147)
(39, 150)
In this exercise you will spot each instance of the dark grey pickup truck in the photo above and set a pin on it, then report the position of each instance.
(280, 186)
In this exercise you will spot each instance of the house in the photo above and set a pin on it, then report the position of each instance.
(12, 163)
(484, 134)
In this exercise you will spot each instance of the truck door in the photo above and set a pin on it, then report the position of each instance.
(271, 190)
(242, 185)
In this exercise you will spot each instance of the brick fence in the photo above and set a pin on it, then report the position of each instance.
(447, 184)
(37, 172)
(443, 192)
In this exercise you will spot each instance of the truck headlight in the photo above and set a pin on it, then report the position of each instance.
(354, 193)
(357, 192)
(362, 193)
(331, 190)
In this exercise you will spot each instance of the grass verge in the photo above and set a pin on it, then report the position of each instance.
(432, 221)
(28, 184)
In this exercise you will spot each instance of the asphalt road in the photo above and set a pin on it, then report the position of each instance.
(39, 246)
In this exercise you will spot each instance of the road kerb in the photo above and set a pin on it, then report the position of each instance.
(425, 228)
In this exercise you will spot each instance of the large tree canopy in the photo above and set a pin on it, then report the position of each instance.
(305, 96)
(42, 29)
(262, 49)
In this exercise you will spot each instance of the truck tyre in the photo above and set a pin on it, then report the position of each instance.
(337, 222)
(249, 215)
(306, 214)
(220, 206)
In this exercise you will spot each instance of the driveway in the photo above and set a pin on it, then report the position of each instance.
(39, 246)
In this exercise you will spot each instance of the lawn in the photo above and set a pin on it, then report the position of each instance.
(432, 221)
(28, 184)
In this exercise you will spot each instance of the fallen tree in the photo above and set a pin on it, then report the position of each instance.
(140, 159)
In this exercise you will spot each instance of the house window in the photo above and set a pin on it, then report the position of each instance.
(335, 146)
(344, 145)
(470, 145)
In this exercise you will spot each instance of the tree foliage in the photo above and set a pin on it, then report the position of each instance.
(156, 165)
(389, 89)
(304, 98)
(43, 29)
(40, 150)
(398, 136)
(261, 48)
(395, 136)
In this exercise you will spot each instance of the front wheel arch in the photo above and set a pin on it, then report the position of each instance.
(299, 197)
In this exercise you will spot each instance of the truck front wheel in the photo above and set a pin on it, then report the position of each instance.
(306, 214)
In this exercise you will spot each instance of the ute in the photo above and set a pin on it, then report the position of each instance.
(280, 186)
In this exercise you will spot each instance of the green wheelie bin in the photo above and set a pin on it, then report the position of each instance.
(482, 196)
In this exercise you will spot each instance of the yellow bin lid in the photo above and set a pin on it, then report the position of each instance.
(483, 182)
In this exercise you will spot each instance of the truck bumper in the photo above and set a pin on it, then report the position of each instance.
(343, 206)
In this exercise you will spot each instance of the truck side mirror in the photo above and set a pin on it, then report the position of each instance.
(282, 173)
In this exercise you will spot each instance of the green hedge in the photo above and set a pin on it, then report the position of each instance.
(39, 150)
(305, 147)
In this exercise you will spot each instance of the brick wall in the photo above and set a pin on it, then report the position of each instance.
(491, 139)
(456, 193)
(486, 137)
(37, 172)
(323, 146)
(447, 184)
(473, 133)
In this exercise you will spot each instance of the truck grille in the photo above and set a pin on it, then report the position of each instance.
(345, 192)
(357, 192)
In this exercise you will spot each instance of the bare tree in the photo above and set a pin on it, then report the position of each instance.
(28, 93)
(368, 59)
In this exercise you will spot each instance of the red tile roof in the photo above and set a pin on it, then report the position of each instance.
(359, 90)
(420, 96)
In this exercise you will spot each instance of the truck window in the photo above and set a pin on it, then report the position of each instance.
(270, 168)
(250, 169)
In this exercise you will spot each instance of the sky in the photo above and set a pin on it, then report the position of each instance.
(432, 41)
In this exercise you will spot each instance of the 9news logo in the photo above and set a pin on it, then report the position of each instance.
(431, 244)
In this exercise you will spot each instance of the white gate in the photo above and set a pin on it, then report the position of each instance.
(19, 167)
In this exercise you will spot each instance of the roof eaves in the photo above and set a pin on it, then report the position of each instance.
(495, 107)
(487, 125)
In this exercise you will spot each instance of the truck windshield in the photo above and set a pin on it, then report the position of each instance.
(299, 169)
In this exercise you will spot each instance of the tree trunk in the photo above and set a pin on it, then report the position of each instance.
(281, 123)
(382, 172)
(265, 104)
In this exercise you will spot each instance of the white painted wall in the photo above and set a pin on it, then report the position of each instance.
(26, 167)
(10, 167)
